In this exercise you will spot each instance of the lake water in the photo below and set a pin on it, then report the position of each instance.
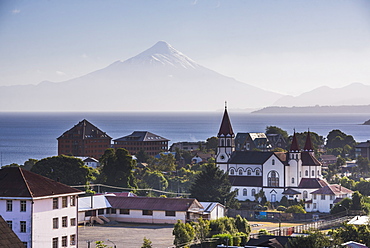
(33, 135)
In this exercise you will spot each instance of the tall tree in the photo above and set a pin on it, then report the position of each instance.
(66, 169)
(166, 162)
(117, 168)
(211, 143)
(212, 184)
(184, 233)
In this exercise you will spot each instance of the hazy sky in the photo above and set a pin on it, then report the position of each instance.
(284, 46)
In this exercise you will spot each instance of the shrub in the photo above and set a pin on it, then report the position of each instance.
(281, 208)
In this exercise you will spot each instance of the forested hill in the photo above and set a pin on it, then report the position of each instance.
(345, 109)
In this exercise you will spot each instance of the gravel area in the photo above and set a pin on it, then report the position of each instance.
(126, 235)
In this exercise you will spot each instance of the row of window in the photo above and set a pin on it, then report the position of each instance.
(127, 212)
(141, 143)
(72, 241)
(245, 192)
(22, 225)
(64, 222)
(22, 206)
(241, 172)
(72, 201)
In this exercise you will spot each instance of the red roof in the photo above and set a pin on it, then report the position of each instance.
(308, 145)
(226, 128)
(153, 203)
(294, 146)
(334, 189)
(308, 183)
(17, 182)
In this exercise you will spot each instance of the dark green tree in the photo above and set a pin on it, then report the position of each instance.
(142, 156)
(117, 168)
(154, 180)
(212, 143)
(66, 169)
(313, 240)
(184, 233)
(242, 225)
(166, 162)
(202, 230)
(295, 209)
(363, 165)
(29, 164)
(212, 184)
(277, 130)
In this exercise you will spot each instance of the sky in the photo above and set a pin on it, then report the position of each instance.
(285, 46)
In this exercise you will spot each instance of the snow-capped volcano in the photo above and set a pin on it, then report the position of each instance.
(162, 53)
(158, 79)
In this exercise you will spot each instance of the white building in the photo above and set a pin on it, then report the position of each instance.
(324, 198)
(295, 174)
(41, 211)
(213, 210)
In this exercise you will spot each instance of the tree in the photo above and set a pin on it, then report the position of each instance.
(363, 165)
(277, 130)
(154, 180)
(223, 225)
(65, 169)
(29, 164)
(295, 209)
(339, 143)
(212, 143)
(118, 168)
(142, 156)
(313, 240)
(146, 243)
(166, 162)
(242, 225)
(184, 233)
(213, 185)
(202, 230)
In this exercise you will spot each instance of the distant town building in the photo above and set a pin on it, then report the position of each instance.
(277, 141)
(84, 140)
(363, 149)
(151, 143)
(90, 162)
(40, 211)
(252, 141)
(187, 146)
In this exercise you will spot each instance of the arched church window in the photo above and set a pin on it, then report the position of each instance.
(292, 179)
(273, 179)
(273, 198)
(232, 172)
(313, 173)
(273, 162)
(240, 172)
(228, 142)
(253, 192)
(237, 191)
(257, 172)
(222, 142)
(306, 173)
(245, 192)
(249, 172)
(305, 194)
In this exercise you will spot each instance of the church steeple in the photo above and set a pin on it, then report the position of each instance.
(226, 130)
(308, 147)
(294, 146)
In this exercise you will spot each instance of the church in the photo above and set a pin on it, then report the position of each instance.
(295, 174)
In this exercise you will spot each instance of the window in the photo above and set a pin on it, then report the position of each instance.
(232, 172)
(55, 203)
(273, 179)
(100, 211)
(249, 172)
(322, 197)
(170, 213)
(312, 173)
(245, 192)
(73, 221)
(23, 206)
(124, 211)
(257, 172)
(147, 212)
(73, 200)
(300, 174)
(273, 162)
(331, 197)
(331, 206)
(64, 241)
(318, 173)
(55, 223)
(314, 206)
(72, 239)
(64, 202)
(10, 224)
(237, 191)
(240, 172)
(308, 205)
(9, 205)
(305, 194)
(113, 211)
(64, 221)
(306, 173)
(22, 226)
(314, 196)
(253, 192)
(273, 198)
(55, 242)
(292, 179)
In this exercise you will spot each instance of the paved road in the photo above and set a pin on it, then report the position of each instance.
(126, 235)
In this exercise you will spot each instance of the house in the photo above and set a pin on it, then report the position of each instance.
(90, 162)
(277, 141)
(328, 159)
(151, 143)
(363, 149)
(201, 157)
(294, 174)
(252, 141)
(8, 239)
(213, 210)
(85, 140)
(41, 211)
(324, 198)
(187, 146)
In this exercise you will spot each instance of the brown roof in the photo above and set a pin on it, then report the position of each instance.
(17, 182)
(309, 159)
(246, 181)
(311, 183)
(8, 239)
(85, 130)
(290, 191)
(226, 128)
(294, 146)
(334, 189)
(153, 203)
(308, 145)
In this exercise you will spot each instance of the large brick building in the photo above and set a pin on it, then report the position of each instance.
(151, 143)
(85, 140)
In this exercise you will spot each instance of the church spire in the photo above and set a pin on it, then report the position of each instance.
(226, 130)
(308, 145)
(294, 146)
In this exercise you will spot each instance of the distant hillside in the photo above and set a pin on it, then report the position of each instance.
(359, 109)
